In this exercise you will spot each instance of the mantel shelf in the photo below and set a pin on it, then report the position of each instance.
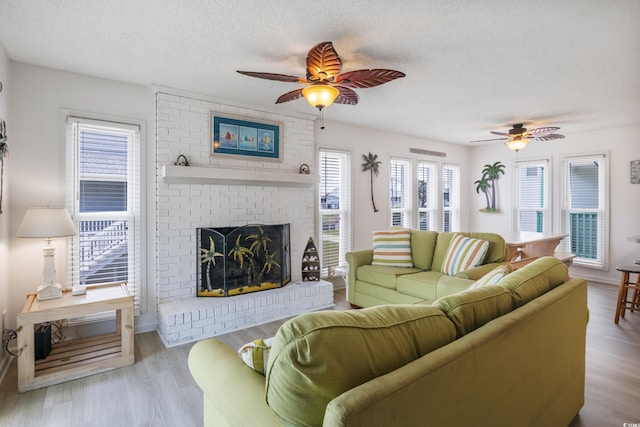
(224, 176)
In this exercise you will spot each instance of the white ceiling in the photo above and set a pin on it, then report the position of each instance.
(472, 66)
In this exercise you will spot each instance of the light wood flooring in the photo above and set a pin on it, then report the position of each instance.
(159, 391)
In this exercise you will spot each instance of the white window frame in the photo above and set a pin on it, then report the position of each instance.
(135, 194)
(343, 212)
(546, 209)
(404, 212)
(601, 262)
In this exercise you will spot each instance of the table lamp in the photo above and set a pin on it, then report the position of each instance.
(47, 223)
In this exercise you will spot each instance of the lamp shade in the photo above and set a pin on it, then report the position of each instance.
(319, 95)
(46, 223)
(517, 143)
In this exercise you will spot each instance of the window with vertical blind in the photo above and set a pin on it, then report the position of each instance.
(427, 196)
(335, 210)
(400, 192)
(104, 194)
(450, 198)
(532, 195)
(586, 209)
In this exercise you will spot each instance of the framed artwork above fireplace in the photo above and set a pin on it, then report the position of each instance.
(248, 138)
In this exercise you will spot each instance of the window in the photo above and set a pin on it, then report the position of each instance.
(427, 196)
(104, 198)
(532, 195)
(450, 198)
(400, 185)
(335, 210)
(586, 208)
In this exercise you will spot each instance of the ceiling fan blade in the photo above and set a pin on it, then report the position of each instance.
(273, 76)
(289, 96)
(542, 131)
(368, 78)
(494, 139)
(549, 137)
(499, 133)
(347, 96)
(323, 63)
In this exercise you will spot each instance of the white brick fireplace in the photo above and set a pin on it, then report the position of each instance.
(223, 191)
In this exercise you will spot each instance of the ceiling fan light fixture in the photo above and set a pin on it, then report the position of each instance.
(517, 143)
(320, 95)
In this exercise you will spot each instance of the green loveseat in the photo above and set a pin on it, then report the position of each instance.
(371, 285)
(511, 354)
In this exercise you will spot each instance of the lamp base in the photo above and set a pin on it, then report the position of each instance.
(49, 291)
(78, 290)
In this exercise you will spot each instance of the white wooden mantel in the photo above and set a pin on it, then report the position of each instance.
(173, 174)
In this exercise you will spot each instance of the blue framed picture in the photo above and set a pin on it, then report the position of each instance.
(240, 136)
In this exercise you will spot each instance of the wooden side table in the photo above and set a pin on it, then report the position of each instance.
(75, 358)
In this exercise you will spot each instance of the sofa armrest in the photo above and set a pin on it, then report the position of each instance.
(479, 271)
(356, 259)
(233, 393)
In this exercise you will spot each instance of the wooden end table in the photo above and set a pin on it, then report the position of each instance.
(81, 357)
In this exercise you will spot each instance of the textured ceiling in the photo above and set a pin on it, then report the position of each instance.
(472, 66)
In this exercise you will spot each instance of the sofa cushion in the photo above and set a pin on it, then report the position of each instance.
(317, 356)
(382, 275)
(535, 279)
(496, 252)
(423, 245)
(469, 310)
(256, 353)
(392, 248)
(492, 277)
(421, 285)
(463, 253)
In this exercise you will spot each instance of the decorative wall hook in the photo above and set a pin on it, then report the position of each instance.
(182, 161)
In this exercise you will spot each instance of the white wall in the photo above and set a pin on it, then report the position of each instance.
(361, 141)
(4, 216)
(38, 164)
(622, 145)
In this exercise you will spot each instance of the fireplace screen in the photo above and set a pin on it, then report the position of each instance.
(234, 261)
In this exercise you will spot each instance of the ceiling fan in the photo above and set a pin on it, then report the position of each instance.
(519, 136)
(324, 82)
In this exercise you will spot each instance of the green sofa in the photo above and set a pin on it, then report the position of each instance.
(508, 354)
(371, 285)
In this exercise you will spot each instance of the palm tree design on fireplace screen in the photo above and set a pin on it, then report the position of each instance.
(253, 258)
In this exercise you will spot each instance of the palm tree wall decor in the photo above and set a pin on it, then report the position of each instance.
(487, 184)
(371, 164)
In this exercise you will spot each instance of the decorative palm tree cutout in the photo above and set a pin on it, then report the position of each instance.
(487, 184)
(371, 164)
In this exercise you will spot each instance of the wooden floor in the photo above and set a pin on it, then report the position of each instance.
(159, 391)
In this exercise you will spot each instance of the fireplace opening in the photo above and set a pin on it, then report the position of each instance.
(239, 260)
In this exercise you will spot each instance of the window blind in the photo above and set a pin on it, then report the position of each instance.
(587, 210)
(450, 198)
(335, 209)
(532, 197)
(103, 178)
(427, 206)
(400, 193)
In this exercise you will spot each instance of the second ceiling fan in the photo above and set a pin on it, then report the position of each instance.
(518, 136)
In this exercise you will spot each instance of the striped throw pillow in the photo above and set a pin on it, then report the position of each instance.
(392, 248)
(463, 253)
(492, 277)
(256, 354)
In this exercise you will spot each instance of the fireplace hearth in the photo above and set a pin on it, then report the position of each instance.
(239, 260)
